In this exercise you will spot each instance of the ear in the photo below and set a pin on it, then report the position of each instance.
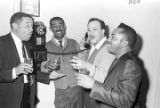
(14, 25)
(124, 43)
(65, 27)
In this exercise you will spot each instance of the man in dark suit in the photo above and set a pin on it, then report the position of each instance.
(17, 89)
(121, 85)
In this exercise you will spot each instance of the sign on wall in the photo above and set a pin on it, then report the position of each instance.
(30, 6)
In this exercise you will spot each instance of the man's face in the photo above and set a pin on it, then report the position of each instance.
(24, 28)
(95, 32)
(115, 41)
(58, 28)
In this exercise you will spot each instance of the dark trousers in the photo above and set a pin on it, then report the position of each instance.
(88, 101)
(68, 98)
(26, 96)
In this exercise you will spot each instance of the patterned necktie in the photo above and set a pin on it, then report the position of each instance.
(60, 43)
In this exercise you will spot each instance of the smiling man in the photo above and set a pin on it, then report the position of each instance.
(98, 58)
(67, 93)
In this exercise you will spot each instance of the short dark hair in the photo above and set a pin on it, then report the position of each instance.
(57, 18)
(102, 23)
(16, 17)
(130, 34)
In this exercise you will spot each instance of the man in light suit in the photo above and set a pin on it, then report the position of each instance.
(98, 57)
(121, 85)
(16, 90)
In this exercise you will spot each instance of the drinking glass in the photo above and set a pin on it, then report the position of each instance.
(53, 65)
(29, 61)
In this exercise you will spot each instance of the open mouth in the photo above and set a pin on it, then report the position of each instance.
(58, 31)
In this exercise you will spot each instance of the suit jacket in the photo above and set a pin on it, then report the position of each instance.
(121, 85)
(11, 90)
(102, 59)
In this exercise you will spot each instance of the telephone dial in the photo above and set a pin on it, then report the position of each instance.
(39, 40)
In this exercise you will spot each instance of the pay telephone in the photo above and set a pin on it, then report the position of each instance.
(39, 38)
(38, 41)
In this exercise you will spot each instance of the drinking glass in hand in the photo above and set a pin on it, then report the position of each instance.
(74, 63)
(57, 64)
(53, 65)
(29, 61)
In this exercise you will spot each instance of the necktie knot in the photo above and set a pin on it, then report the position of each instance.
(60, 43)
(24, 51)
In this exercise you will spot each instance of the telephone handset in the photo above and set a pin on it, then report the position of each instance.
(87, 42)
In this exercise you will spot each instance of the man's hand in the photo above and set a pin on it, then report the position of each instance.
(78, 63)
(55, 75)
(85, 80)
(24, 68)
(49, 66)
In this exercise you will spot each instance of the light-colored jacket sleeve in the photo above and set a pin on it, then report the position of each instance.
(102, 62)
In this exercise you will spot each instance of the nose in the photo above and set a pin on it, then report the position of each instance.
(31, 29)
(91, 33)
(109, 41)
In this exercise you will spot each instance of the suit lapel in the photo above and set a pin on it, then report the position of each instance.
(116, 62)
(65, 44)
(113, 65)
(13, 49)
(93, 55)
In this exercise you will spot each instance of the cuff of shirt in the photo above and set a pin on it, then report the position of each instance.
(14, 76)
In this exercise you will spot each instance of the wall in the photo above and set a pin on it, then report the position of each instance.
(144, 17)
(6, 10)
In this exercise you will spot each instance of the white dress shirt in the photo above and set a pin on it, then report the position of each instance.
(18, 43)
(57, 41)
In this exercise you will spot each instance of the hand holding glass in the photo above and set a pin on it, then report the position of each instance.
(78, 64)
(53, 65)
(29, 61)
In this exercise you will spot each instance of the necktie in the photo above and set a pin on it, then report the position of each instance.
(26, 56)
(60, 43)
(23, 51)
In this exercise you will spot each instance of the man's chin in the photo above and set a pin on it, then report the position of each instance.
(111, 52)
(27, 39)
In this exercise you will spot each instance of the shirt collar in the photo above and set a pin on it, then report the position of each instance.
(100, 43)
(57, 41)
